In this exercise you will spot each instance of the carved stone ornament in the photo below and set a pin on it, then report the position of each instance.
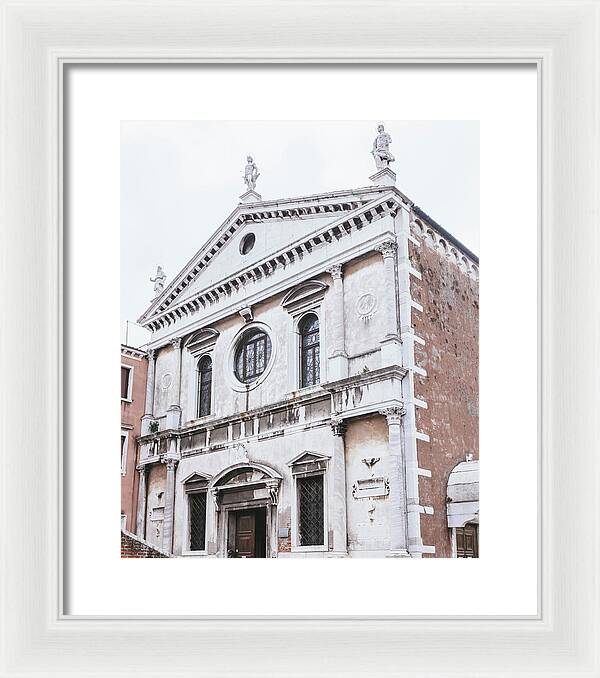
(166, 381)
(273, 488)
(369, 463)
(175, 342)
(151, 353)
(393, 414)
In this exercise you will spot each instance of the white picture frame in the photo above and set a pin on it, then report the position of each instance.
(40, 39)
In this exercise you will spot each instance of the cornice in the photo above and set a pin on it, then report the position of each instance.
(132, 352)
(355, 220)
(364, 378)
(219, 312)
(282, 208)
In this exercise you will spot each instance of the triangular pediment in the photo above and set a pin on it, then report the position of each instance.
(308, 458)
(253, 241)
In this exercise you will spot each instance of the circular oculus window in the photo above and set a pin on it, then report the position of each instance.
(247, 243)
(252, 355)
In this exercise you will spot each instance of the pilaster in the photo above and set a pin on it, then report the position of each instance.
(391, 348)
(337, 490)
(398, 509)
(338, 358)
(167, 544)
(140, 528)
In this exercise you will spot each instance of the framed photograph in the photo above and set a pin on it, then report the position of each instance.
(348, 255)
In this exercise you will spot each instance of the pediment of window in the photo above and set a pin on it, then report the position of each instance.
(304, 295)
(202, 341)
(308, 462)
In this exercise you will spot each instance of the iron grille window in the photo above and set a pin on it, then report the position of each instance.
(309, 350)
(197, 502)
(252, 355)
(204, 385)
(310, 505)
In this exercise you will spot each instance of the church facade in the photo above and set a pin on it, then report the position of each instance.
(312, 383)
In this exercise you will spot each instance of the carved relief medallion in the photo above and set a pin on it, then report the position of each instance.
(366, 305)
(166, 381)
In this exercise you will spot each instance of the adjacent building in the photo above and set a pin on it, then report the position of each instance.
(313, 384)
(134, 367)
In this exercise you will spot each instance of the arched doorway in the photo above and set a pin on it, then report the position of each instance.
(245, 498)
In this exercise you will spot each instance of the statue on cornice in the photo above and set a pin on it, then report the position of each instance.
(251, 173)
(159, 281)
(381, 148)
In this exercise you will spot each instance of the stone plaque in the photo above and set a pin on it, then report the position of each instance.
(371, 487)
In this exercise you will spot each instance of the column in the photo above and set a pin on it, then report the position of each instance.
(169, 506)
(273, 489)
(337, 495)
(140, 526)
(398, 509)
(212, 519)
(338, 358)
(390, 344)
(174, 410)
(149, 407)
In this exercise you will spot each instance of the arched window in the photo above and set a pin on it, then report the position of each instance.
(204, 385)
(252, 355)
(310, 359)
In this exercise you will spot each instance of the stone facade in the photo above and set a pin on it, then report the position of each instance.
(278, 464)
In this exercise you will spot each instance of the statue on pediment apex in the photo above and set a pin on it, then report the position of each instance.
(159, 281)
(251, 173)
(381, 149)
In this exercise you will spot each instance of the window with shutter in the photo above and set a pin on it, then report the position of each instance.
(467, 541)
(125, 377)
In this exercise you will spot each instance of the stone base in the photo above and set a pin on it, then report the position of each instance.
(337, 367)
(401, 553)
(385, 177)
(391, 350)
(174, 417)
(250, 196)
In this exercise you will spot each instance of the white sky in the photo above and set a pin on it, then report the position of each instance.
(180, 180)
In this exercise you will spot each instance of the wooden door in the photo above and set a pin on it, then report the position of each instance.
(245, 534)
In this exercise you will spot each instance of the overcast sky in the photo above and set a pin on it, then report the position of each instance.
(180, 180)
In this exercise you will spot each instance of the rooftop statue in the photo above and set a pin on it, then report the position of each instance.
(381, 148)
(159, 281)
(251, 173)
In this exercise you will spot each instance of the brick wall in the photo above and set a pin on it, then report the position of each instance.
(449, 324)
(133, 547)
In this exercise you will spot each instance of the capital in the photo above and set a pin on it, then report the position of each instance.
(151, 353)
(335, 271)
(171, 463)
(387, 248)
(393, 414)
(338, 427)
(176, 342)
